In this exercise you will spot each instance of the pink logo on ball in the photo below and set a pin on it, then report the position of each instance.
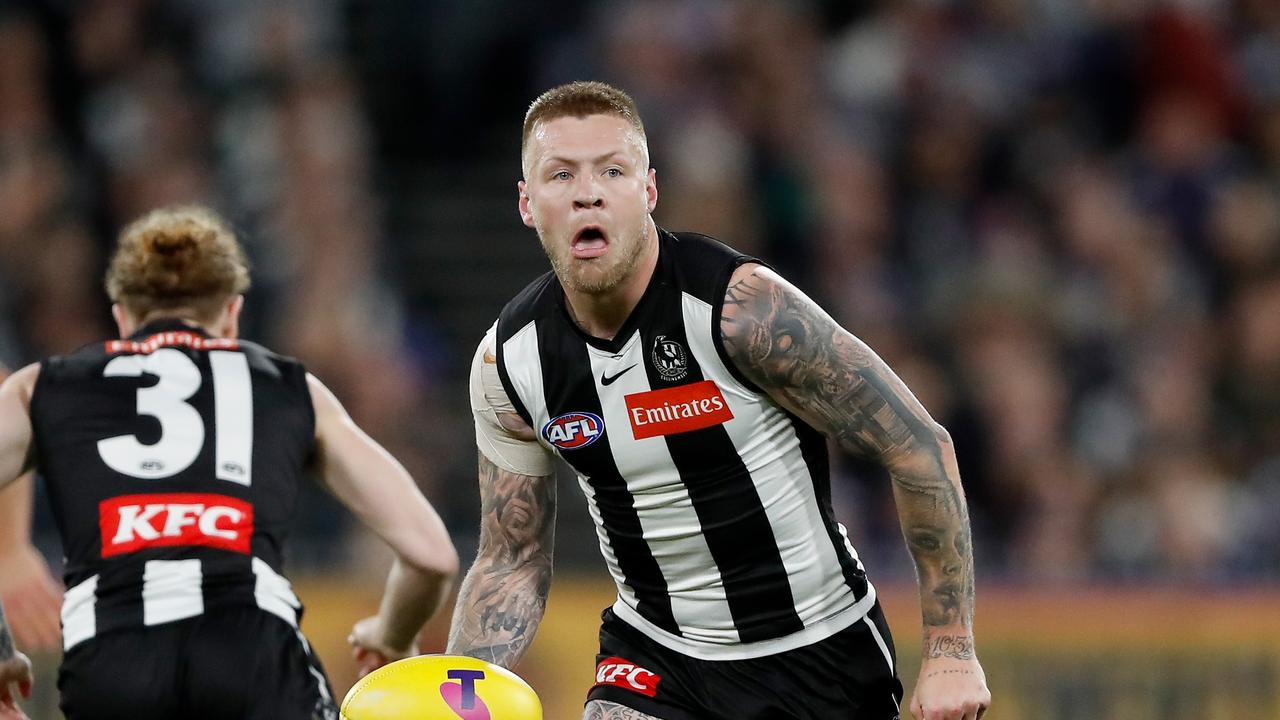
(461, 697)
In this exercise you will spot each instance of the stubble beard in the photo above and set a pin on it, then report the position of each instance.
(578, 278)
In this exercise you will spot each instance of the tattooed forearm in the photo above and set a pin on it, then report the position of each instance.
(504, 595)
(7, 651)
(793, 350)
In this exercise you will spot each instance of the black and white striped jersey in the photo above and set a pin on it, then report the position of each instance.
(711, 503)
(173, 462)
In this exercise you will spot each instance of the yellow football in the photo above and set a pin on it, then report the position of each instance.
(441, 687)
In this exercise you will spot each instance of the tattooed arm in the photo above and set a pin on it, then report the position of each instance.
(14, 668)
(791, 348)
(505, 593)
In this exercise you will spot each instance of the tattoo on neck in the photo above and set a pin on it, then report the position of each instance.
(7, 650)
(959, 647)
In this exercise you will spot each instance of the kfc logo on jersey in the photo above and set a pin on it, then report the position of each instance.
(573, 430)
(135, 522)
(677, 410)
(627, 675)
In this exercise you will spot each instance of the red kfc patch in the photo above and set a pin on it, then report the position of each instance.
(132, 522)
(627, 675)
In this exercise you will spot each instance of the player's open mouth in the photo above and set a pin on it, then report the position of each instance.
(589, 242)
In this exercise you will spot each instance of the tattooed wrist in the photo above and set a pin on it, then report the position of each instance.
(951, 671)
(958, 647)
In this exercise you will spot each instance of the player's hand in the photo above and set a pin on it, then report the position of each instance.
(15, 670)
(368, 646)
(32, 599)
(951, 689)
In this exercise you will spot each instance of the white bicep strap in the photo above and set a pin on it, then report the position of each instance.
(488, 399)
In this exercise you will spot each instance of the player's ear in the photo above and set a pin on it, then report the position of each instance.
(231, 318)
(124, 323)
(526, 213)
(651, 189)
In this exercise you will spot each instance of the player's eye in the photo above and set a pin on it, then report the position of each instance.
(562, 175)
(613, 172)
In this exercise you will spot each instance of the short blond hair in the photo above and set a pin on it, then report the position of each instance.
(581, 99)
(179, 258)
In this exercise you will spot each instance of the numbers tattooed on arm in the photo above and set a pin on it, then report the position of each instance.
(504, 595)
(785, 343)
(959, 647)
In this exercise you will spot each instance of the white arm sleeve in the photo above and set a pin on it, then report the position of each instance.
(488, 399)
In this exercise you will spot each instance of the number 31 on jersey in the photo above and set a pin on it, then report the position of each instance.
(182, 430)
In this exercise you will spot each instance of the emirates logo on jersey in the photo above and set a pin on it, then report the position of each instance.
(677, 410)
(135, 522)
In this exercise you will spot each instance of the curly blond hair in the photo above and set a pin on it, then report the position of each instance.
(182, 259)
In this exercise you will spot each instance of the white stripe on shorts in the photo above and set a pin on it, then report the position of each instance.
(274, 594)
(79, 613)
(171, 590)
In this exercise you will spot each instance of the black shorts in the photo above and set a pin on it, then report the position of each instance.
(237, 663)
(847, 675)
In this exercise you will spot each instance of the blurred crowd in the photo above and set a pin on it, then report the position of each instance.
(1058, 220)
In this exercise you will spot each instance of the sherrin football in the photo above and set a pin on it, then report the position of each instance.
(441, 687)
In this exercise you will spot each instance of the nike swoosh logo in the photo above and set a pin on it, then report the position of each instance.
(608, 379)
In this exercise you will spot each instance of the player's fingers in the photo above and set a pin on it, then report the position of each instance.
(369, 664)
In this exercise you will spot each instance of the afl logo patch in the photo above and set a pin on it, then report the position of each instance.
(574, 430)
(669, 359)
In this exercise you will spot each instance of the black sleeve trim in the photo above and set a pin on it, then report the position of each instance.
(507, 385)
(717, 310)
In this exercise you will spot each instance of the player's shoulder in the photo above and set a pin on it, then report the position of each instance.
(263, 359)
(88, 355)
(22, 381)
(704, 264)
(700, 247)
(538, 297)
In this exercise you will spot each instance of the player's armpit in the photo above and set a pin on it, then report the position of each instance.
(504, 595)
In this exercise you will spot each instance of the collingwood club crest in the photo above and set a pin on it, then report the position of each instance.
(669, 359)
